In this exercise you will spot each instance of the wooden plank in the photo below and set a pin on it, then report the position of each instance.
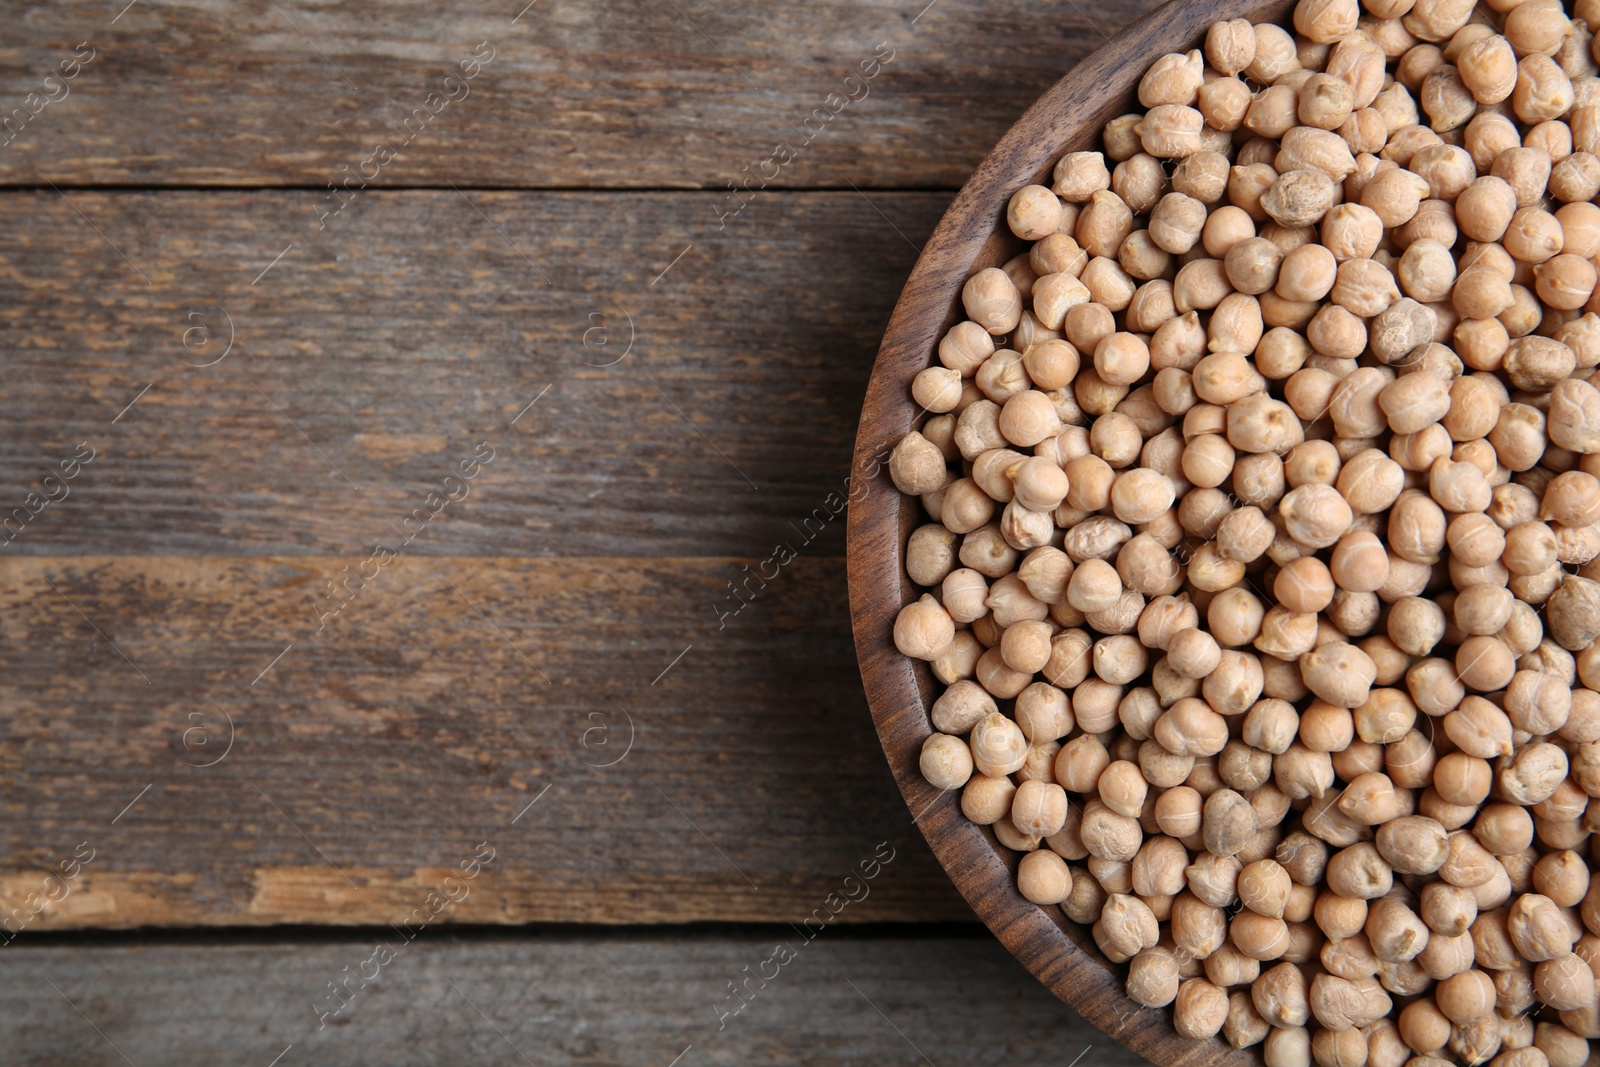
(371, 358)
(547, 998)
(449, 702)
(604, 93)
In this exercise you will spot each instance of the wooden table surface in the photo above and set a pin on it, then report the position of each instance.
(405, 405)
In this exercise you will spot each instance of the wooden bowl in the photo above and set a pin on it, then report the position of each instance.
(970, 237)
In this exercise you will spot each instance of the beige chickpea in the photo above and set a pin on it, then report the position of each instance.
(1044, 878)
(1565, 281)
(946, 761)
(1080, 763)
(1208, 460)
(1485, 208)
(936, 389)
(1172, 131)
(1002, 376)
(1244, 534)
(1190, 728)
(1304, 585)
(1458, 487)
(965, 347)
(1417, 528)
(998, 745)
(1576, 179)
(1272, 111)
(930, 554)
(1446, 100)
(1033, 213)
(1414, 402)
(1120, 138)
(1325, 102)
(1139, 181)
(1543, 90)
(1351, 231)
(1401, 328)
(923, 629)
(1039, 484)
(985, 800)
(1326, 21)
(1234, 616)
(1370, 482)
(1178, 812)
(1039, 808)
(1103, 224)
(1538, 929)
(1252, 265)
(1248, 182)
(1140, 495)
(992, 301)
(1259, 424)
(1224, 104)
(1281, 352)
(1126, 927)
(1029, 417)
(1230, 46)
(1200, 1009)
(1427, 271)
(1565, 983)
(1078, 175)
(1315, 514)
(916, 465)
(1203, 175)
(1504, 829)
(1108, 284)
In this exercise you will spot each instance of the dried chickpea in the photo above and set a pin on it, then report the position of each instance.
(1364, 277)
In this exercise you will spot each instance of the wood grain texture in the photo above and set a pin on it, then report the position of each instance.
(377, 353)
(452, 701)
(546, 997)
(609, 93)
(971, 237)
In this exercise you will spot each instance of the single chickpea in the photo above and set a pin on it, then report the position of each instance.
(1103, 224)
(1565, 281)
(1543, 90)
(1230, 46)
(1044, 878)
(1200, 1009)
(1033, 213)
(1176, 223)
(1337, 332)
(1315, 514)
(1446, 99)
(1224, 104)
(1172, 131)
(992, 301)
(1140, 182)
(1370, 482)
(1203, 175)
(1126, 927)
(1078, 175)
(923, 629)
(1485, 208)
(986, 800)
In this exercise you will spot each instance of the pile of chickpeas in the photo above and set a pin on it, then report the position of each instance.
(1261, 572)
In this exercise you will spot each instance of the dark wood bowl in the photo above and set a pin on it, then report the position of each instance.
(970, 237)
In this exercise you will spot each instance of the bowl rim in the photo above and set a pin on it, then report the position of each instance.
(1067, 117)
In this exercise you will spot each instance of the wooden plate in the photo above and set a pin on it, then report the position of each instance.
(970, 237)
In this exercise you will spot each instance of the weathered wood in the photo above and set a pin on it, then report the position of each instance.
(612, 93)
(546, 998)
(443, 700)
(378, 353)
(971, 237)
